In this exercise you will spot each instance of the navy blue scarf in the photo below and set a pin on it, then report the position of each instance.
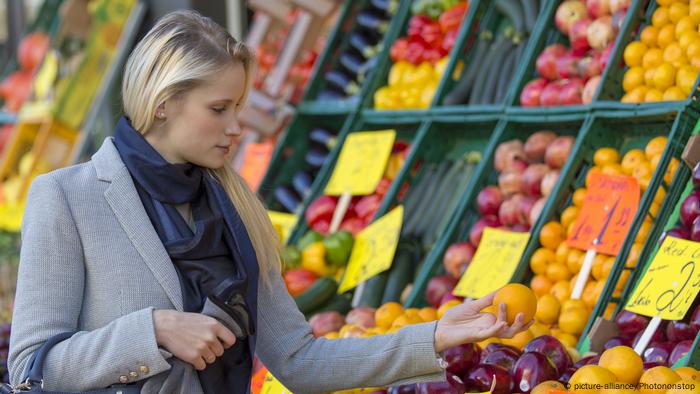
(162, 186)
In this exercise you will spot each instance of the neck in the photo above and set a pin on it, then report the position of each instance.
(156, 137)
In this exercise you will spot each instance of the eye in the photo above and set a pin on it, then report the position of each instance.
(219, 110)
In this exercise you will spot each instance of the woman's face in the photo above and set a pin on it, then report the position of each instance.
(201, 125)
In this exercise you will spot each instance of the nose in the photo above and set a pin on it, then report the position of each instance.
(233, 128)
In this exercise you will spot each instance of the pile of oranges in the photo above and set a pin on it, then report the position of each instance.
(556, 265)
(664, 63)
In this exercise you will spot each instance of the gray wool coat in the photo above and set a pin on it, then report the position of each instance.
(92, 262)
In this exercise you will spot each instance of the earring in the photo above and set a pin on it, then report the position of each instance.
(160, 115)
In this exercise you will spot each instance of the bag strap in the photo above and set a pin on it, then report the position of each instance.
(35, 374)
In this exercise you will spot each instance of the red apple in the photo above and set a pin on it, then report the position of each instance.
(536, 211)
(657, 337)
(600, 33)
(449, 296)
(568, 13)
(532, 178)
(677, 331)
(618, 5)
(690, 208)
(361, 316)
(648, 366)
(521, 228)
(589, 66)
(604, 56)
(457, 258)
(658, 352)
(453, 385)
(598, 8)
(588, 360)
(566, 376)
(680, 350)
(524, 207)
(403, 389)
(677, 232)
(617, 341)
(567, 66)
(509, 213)
(553, 349)
(589, 90)
(481, 377)
(547, 61)
(478, 228)
(630, 323)
(618, 19)
(571, 92)
(695, 319)
(531, 369)
(550, 94)
(558, 152)
(536, 145)
(695, 230)
(492, 347)
(508, 156)
(510, 183)
(489, 200)
(503, 357)
(579, 36)
(460, 358)
(530, 96)
(696, 176)
(437, 287)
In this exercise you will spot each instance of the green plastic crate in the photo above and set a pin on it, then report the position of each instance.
(611, 92)
(516, 127)
(329, 59)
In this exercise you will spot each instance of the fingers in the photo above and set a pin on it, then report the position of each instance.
(483, 302)
(518, 325)
(216, 347)
(225, 336)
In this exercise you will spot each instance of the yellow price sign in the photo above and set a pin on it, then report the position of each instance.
(671, 283)
(361, 163)
(273, 386)
(283, 223)
(493, 264)
(374, 249)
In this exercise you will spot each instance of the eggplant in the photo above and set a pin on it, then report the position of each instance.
(323, 137)
(330, 94)
(356, 66)
(316, 156)
(388, 7)
(301, 182)
(372, 22)
(365, 45)
(287, 198)
(341, 81)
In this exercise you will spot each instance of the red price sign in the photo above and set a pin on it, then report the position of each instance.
(610, 205)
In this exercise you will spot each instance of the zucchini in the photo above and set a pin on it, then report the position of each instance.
(341, 303)
(416, 217)
(472, 161)
(439, 197)
(513, 10)
(373, 290)
(489, 93)
(401, 272)
(529, 13)
(485, 66)
(317, 295)
(460, 93)
(506, 76)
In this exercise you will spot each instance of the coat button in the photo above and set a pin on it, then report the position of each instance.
(123, 379)
(133, 375)
(144, 370)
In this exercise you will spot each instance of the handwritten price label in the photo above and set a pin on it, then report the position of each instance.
(668, 288)
(374, 249)
(273, 386)
(361, 163)
(493, 264)
(283, 223)
(607, 213)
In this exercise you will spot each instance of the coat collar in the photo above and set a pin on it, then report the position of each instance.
(128, 208)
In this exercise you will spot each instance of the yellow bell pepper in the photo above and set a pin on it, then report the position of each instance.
(313, 258)
(393, 166)
(396, 73)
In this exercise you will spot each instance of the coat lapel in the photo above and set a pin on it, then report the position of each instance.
(128, 208)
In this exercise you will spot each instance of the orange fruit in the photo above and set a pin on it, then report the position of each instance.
(695, 62)
(590, 293)
(562, 253)
(631, 160)
(648, 36)
(407, 320)
(548, 309)
(671, 170)
(624, 363)
(674, 94)
(622, 280)
(488, 341)
(659, 376)
(552, 234)
(519, 340)
(654, 209)
(648, 81)
(633, 77)
(573, 304)
(667, 34)
(518, 299)
(633, 256)
(612, 169)
(688, 373)
(686, 39)
(572, 282)
(609, 310)
(567, 339)
(385, 315)
(655, 146)
(636, 95)
(660, 17)
(538, 329)
(561, 290)
(557, 272)
(546, 386)
(579, 197)
(653, 95)
(664, 77)
(447, 306)
(643, 171)
(589, 174)
(541, 285)
(609, 155)
(643, 233)
(677, 11)
(685, 387)
(573, 321)
(607, 266)
(674, 54)
(684, 25)
(665, 3)
(619, 388)
(597, 268)
(685, 79)
(540, 259)
(695, 12)
(428, 314)
(692, 50)
(634, 52)
(591, 375)
(659, 196)
(575, 260)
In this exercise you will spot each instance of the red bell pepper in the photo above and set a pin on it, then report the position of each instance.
(368, 206)
(400, 146)
(353, 225)
(383, 187)
(452, 18)
(298, 280)
(416, 23)
(448, 41)
(432, 55)
(322, 226)
(431, 33)
(399, 50)
(416, 47)
(321, 209)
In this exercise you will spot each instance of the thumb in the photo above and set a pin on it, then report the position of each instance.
(483, 302)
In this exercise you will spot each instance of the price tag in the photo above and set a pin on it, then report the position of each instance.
(670, 284)
(273, 386)
(493, 264)
(283, 223)
(255, 162)
(361, 163)
(374, 249)
(607, 213)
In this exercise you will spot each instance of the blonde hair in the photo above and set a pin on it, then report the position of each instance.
(180, 52)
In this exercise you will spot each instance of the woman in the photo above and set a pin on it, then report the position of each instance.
(137, 250)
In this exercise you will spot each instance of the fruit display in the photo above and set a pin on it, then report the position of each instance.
(497, 54)
(687, 226)
(360, 56)
(290, 196)
(569, 69)
(420, 58)
(16, 87)
(662, 64)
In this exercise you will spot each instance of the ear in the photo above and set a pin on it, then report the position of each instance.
(160, 111)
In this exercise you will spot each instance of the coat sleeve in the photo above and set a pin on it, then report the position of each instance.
(305, 364)
(49, 300)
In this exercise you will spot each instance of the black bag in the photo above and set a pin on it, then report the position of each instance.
(34, 382)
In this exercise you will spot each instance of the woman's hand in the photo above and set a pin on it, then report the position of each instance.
(466, 323)
(192, 337)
